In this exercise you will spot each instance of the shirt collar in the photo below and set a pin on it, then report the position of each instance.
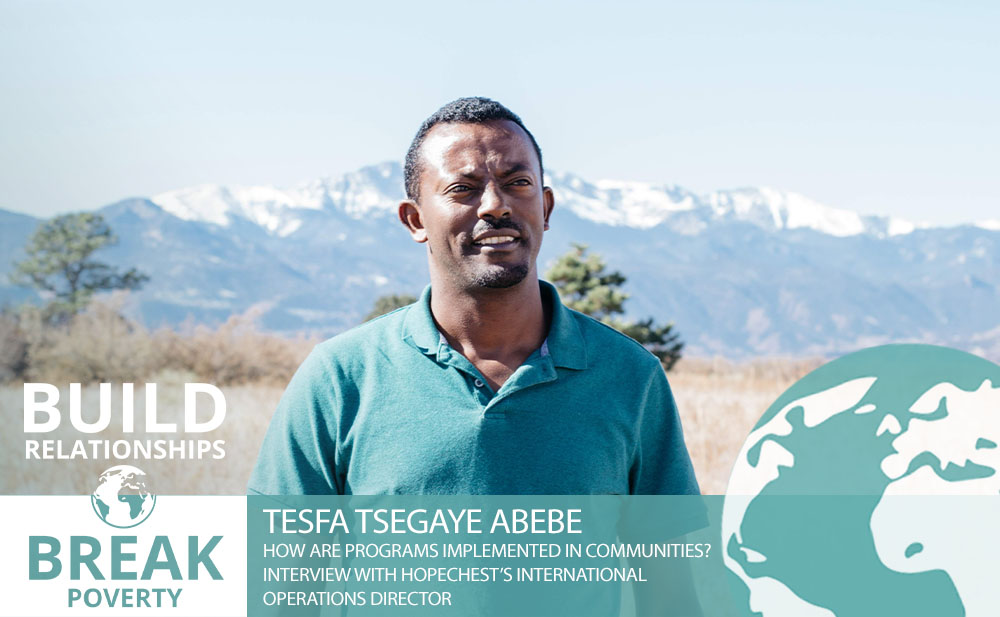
(565, 343)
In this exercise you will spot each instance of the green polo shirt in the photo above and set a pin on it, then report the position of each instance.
(390, 408)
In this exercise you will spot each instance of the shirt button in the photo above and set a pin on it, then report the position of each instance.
(479, 383)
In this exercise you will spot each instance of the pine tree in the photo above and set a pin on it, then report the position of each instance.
(585, 286)
(388, 304)
(59, 264)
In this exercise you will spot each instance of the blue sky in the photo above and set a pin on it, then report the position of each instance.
(881, 107)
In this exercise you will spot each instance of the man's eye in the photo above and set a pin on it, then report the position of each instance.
(460, 188)
(521, 182)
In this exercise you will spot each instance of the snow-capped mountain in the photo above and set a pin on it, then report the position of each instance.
(376, 190)
(281, 211)
(740, 272)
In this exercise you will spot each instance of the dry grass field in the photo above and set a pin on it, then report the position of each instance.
(719, 402)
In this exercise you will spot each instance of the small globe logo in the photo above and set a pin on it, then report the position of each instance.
(122, 498)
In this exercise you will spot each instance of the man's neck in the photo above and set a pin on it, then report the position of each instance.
(496, 329)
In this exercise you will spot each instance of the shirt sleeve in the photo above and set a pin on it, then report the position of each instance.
(661, 465)
(300, 455)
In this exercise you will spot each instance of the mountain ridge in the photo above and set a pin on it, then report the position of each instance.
(642, 205)
(741, 273)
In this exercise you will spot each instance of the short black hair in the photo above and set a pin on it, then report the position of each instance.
(470, 110)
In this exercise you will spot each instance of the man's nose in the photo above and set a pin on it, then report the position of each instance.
(493, 203)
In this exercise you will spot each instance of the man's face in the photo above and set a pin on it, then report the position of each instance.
(482, 208)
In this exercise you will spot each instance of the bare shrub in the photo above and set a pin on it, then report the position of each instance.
(236, 352)
(13, 347)
(101, 345)
(98, 344)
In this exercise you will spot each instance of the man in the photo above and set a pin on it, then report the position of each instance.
(488, 384)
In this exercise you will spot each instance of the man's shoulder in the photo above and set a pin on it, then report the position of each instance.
(607, 345)
(380, 335)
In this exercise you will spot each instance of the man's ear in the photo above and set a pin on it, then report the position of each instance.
(548, 202)
(409, 214)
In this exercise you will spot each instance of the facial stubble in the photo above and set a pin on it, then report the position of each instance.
(499, 276)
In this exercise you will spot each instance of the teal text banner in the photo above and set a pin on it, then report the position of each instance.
(464, 555)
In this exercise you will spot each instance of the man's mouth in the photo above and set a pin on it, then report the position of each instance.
(494, 240)
(497, 238)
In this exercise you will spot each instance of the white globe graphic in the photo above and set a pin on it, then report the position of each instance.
(871, 488)
(122, 498)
